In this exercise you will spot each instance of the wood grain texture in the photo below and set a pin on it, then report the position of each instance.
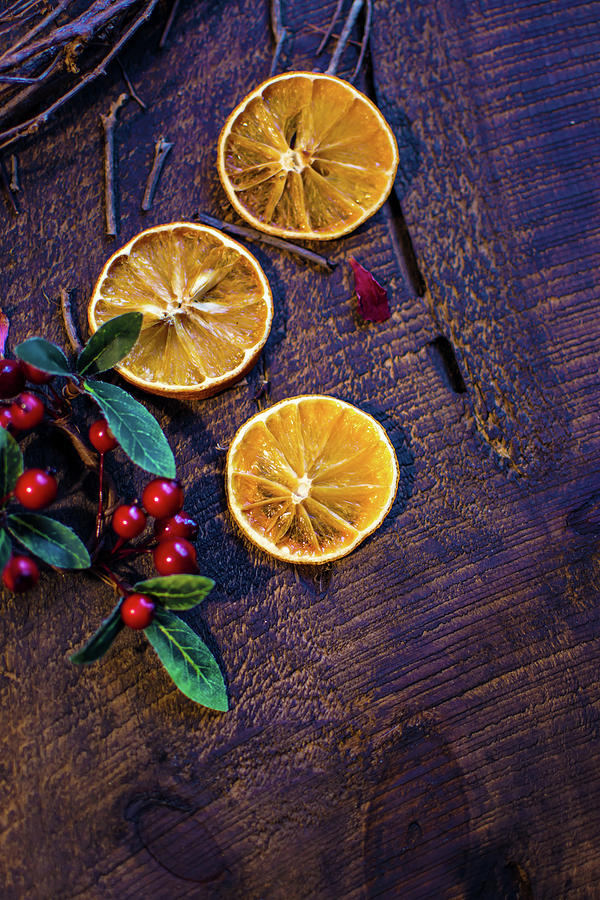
(423, 718)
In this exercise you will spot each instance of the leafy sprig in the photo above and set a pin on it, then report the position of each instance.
(136, 430)
(186, 658)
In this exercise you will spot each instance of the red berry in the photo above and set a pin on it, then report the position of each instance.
(175, 557)
(101, 437)
(137, 610)
(128, 521)
(27, 411)
(5, 417)
(36, 488)
(175, 526)
(12, 379)
(20, 573)
(162, 497)
(35, 376)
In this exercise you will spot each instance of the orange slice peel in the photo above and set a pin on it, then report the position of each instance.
(310, 478)
(206, 304)
(307, 155)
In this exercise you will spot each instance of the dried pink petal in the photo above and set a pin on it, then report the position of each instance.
(372, 297)
(3, 332)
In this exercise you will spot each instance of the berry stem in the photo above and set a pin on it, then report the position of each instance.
(118, 545)
(100, 496)
(122, 586)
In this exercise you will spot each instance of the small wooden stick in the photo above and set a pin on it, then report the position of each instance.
(365, 40)
(130, 88)
(166, 30)
(279, 32)
(329, 31)
(7, 189)
(341, 44)
(14, 173)
(67, 316)
(161, 150)
(108, 123)
(253, 235)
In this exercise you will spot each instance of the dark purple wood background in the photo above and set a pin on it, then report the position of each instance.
(422, 719)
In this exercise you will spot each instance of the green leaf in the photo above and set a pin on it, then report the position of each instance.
(54, 543)
(110, 344)
(101, 640)
(11, 464)
(177, 591)
(188, 660)
(43, 355)
(138, 432)
(5, 549)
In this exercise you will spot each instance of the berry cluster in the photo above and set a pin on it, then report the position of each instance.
(173, 552)
(35, 489)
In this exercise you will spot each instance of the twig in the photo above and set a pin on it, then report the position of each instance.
(365, 39)
(130, 88)
(310, 27)
(67, 315)
(7, 189)
(82, 28)
(161, 151)
(279, 33)
(329, 31)
(47, 20)
(166, 30)
(18, 99)
(100, 496)
(14, 173)
(341, 44)
(253, 235)
(108, 123)
(31, 125)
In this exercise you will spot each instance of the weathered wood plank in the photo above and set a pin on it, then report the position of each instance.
(421, 719)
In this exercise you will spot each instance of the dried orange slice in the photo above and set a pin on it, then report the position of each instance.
(310, 478)
(206, 304)
(306, 155)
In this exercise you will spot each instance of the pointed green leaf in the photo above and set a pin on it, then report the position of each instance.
(5, 549)
(138, 432)
(11, 464)
(177, 591)
(43, 355)
(101, 640)
(188, 660)
(54, 543)
(110, 344)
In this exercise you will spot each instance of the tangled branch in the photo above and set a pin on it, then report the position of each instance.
(48, 55)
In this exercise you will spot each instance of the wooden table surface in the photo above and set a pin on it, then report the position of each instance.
(421, 719)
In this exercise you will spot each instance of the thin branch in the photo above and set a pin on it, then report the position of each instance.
(47, 20)
(14, 174)
(341, 44)
(7, 189)
(109, 123)
(32, 125)
(167, 29)
(279, 33)
(253, 235)
(276, 20)
(329, 31)
(277, 53)
(365, 40)
(67, 316)
(33, 86)
(161, 151)
(130, 88)
(310, 27)
(82, 28)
